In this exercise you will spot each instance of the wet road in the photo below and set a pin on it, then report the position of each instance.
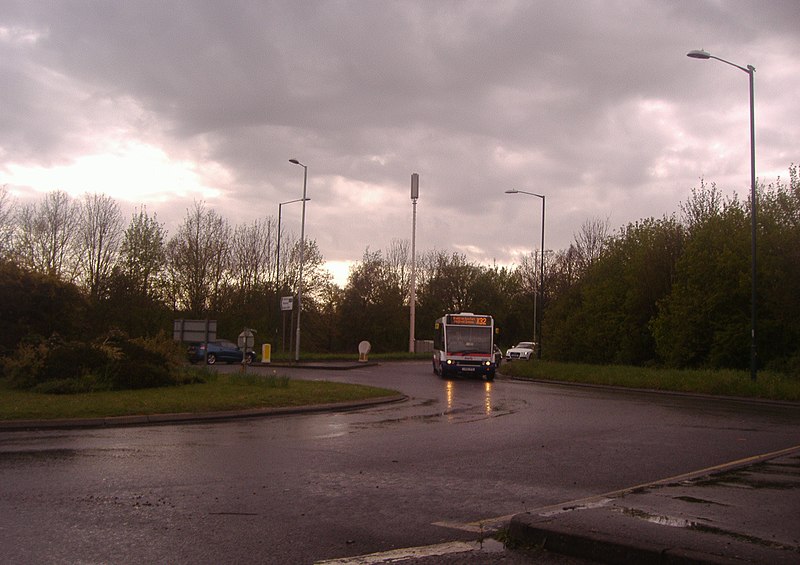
(459, 457)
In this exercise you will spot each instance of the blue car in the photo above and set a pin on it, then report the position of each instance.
(219, 350)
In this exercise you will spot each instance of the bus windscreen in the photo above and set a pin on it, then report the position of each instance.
(468, 339)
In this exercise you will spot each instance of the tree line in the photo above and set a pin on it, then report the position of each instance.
(660, 291)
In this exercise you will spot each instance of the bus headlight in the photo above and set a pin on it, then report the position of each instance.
(449, 361)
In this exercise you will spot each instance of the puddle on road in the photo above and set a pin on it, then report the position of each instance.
(693, 500)
(674, 522)
(487, 545)
(766, 475)
(27, 455)
(586, 506)
(491, 545)
(657, 519)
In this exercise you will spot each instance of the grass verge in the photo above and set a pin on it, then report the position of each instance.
(219, 392)
(287, 357)
(773, 386)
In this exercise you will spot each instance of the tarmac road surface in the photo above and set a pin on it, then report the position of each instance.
(452, 464)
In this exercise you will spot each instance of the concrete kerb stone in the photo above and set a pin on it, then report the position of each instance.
(194, 418)
(618, 543)
(322, 365)
(609, 535)
(647, 524)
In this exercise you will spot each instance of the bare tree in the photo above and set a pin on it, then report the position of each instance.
(143, 252)
(198, 256)
(283, 257)
(703, 204)
(398, 264)
(566, 269)
(45, 235)
(6, 222)
(315, 276)
(427, 263)
(591, 241)
(450, 284)
(98, 239)
(252, 255)
(528, 271)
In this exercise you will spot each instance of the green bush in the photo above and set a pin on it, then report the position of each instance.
(85, 383)
(137, 367)
(22, 368)
(115, 363)
(172, 352)
(72, 360)
(789, 366)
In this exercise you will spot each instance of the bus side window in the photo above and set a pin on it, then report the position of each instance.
(438, 337)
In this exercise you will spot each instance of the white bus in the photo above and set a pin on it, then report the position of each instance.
(463, 345)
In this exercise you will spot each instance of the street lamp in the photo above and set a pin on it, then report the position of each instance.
(278, 253)
(302, 258)
(412, 300)
(750, 70)
(278, 266)
(538, 344)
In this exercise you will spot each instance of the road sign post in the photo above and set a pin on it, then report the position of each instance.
(287, 305)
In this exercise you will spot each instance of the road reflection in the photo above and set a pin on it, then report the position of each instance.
(450, 396)
(452, 409)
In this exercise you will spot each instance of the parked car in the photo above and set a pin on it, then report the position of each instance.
(523, 350)
(220, 350)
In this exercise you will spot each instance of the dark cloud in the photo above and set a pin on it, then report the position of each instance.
(592, 103)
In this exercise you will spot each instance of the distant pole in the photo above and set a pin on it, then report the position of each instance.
(278, 264)
(278, 254)
(540, 294)
(302, 258)
(541, 286)
(278, 249)
(413, 295)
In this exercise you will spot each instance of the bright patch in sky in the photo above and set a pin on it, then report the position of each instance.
(18, 35)
(340, 271)
(135, 172)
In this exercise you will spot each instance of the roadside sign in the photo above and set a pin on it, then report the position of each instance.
(287, 303)
(246, 340)
(194, 330)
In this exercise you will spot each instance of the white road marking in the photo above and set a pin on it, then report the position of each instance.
(405, 553)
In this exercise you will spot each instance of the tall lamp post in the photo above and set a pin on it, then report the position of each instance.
(536, 315)
(302, 258)
(278, 265)
(412, 300)
(750, 70)
(278, 251)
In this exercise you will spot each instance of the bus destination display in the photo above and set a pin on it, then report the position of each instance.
(468, 320)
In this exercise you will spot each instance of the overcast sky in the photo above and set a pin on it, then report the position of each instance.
(592, 104)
